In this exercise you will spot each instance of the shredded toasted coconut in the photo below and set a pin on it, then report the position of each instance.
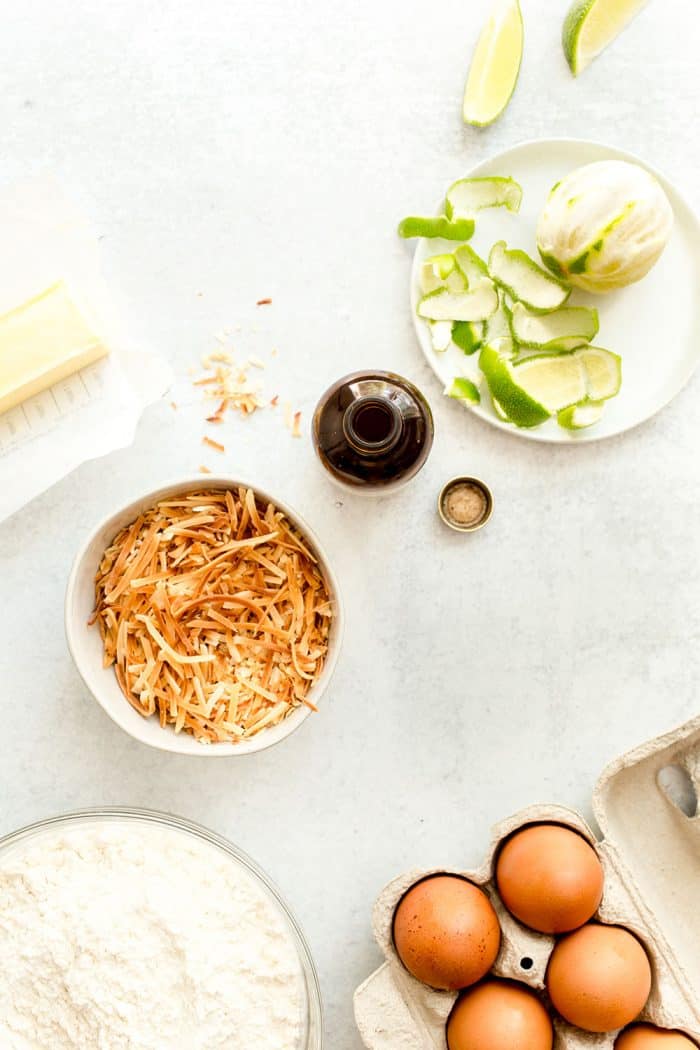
(214, 614)
(213, 444)
(228, 384)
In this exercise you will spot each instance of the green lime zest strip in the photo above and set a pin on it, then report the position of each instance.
(441, 271)
(436, 226)
(498, 409)
(466, 197)
(463, 389)
(470, 265)
(468, 335)
(603, 371)
(554, 330)
(443, 305)
(554, 380)
(584, 414)
(441, 335)
(516, 404)
(523, 279)
(500, 324)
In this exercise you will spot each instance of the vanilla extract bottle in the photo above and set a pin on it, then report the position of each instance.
(373, 431)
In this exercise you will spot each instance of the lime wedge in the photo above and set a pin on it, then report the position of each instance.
(495, 66)
(578, 417)
(591, 25)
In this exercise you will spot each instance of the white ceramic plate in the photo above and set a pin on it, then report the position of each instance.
(653, 324)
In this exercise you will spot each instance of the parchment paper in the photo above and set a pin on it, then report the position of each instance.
(44, 239)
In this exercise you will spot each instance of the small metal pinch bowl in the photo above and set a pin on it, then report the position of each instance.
(465, 504)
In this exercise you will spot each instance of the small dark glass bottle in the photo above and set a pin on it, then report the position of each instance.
(373, 431)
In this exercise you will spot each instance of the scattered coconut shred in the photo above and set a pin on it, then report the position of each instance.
(229, 384)
(214, 614)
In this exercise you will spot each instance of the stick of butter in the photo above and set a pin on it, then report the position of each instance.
(41, 342)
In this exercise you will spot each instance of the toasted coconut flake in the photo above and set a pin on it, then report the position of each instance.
(263, 302)
(227, 382)
(214, 614)
(213, 444)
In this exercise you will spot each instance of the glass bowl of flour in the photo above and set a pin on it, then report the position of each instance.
(127, 928)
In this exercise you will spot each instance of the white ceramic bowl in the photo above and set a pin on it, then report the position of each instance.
(85, 643)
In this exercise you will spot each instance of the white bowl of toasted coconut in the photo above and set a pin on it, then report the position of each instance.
(205, 618)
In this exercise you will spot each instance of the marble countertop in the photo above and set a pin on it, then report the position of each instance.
(227, 153)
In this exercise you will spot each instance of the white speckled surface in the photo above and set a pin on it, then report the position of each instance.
(257, 150)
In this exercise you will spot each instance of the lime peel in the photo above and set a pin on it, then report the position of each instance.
(440, 271)
(516, 403)
(468, 196)
(584, 414)
(474, 305)
(440, 335)
(554, 330)
(530, 391)
(463, 389)
(468, 335)
(524, 280)
(471, 266)
(436, 226)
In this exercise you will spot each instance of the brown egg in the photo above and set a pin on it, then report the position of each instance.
(498, 1015)
(648, 1037)
(549, 878)
(599, 977)
(446, 932)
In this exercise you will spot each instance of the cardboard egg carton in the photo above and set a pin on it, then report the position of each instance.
(646, 806)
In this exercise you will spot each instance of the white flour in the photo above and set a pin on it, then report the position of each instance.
(117, 936)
